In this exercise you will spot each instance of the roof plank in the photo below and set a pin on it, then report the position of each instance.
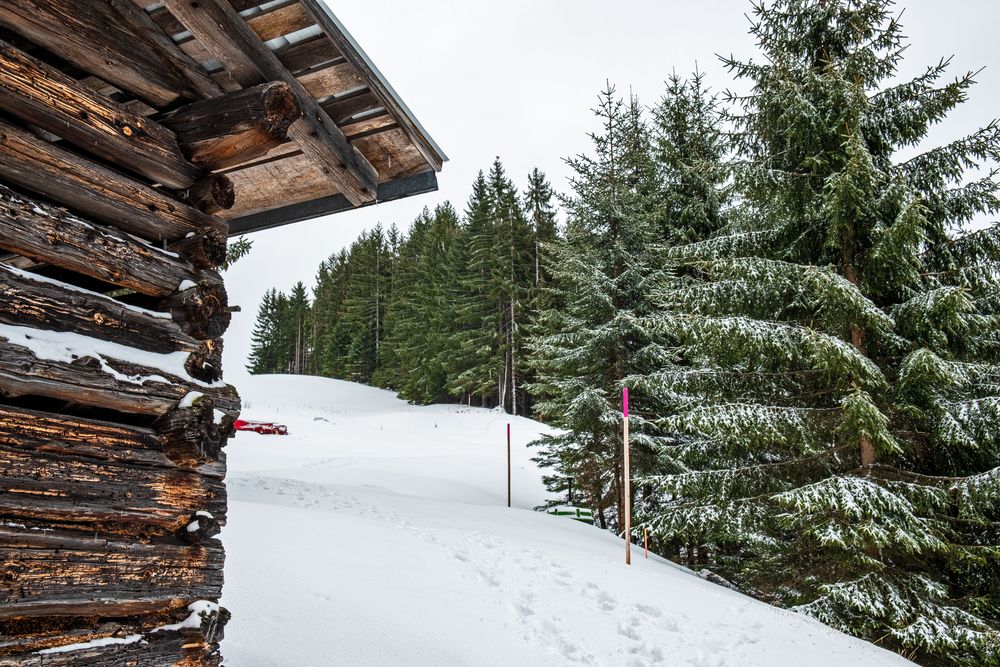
(248, 60)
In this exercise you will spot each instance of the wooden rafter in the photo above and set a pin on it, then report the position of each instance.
(221, 30)
(400, 114)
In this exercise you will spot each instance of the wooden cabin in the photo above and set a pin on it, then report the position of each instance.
(135, 138)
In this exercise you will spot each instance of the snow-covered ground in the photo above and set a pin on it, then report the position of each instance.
(377, 534)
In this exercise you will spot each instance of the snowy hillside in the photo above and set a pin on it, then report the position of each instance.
(377, 534)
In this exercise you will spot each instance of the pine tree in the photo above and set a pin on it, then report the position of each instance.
(498, 274)
(264, 355)
(541, 212)
(293, 330)
(602, 273)
(837, 350)
(421, 313)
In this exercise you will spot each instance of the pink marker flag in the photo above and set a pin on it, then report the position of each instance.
(625, 401)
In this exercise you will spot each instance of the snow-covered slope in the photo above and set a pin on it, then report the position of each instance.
(377, 534)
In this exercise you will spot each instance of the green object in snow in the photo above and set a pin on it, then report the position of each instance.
(578, 513)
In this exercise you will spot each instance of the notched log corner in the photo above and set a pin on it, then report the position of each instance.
(202, 250)
(195, 432)
(201, 527)
(201, 310)
(211, 194)
(205, 363)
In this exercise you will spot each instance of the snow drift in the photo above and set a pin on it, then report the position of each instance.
(377, 533)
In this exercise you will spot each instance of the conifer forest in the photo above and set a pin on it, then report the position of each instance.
(800, 292)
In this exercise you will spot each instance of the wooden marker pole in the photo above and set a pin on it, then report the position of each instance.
(626, 474)
(645, 541)
(508, 464)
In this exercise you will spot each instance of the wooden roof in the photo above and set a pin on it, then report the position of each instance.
(357, 143)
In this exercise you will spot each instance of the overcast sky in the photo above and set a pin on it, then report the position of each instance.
(517, 79)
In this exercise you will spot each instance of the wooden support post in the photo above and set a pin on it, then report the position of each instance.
(41, 95)
(96, 190)
(508, 464)
(626, 480)
(50, 235)
(226, 35)
(114, 40)
(227, 131)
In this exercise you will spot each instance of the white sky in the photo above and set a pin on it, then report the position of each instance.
(517, 79)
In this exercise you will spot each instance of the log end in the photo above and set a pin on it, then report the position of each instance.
(280, 109)
(194, 433)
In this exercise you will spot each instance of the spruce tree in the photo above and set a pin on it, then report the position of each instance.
(586, 346)
(264, 355)
(837, 351)
(489, 340)
(420, 315)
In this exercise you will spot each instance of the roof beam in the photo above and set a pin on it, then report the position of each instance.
(114, 40)
(332, 28)
(226, 35)
(43, 96)
(406, 186)
(233, 129)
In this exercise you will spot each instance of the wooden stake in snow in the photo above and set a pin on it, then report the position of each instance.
(645, 541)
(508, 464)
(626, 474)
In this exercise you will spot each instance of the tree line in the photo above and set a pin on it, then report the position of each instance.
(799, 295)
(439, 313)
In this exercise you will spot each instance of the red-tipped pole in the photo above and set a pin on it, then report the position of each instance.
(508, 464)
(626, 475)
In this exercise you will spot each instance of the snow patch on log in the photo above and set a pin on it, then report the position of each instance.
(26, 275)
(94, 643)
(67, 347)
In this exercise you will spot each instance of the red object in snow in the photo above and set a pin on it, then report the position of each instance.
(264, 428)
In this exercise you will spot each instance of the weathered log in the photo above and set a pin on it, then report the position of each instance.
(211, 194)
(226, 35)
(68, 573)
(48, 489)
(118, 444)
(193, 435)
(96, 190)
(112, 39)
(202, 309)
(99, 374)
(22, 641)
(43, 96)
(53, 236)
(229, 130)
(31, 301)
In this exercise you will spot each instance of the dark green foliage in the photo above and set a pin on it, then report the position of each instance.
(835, 348)
(439, 314)
(592, 336)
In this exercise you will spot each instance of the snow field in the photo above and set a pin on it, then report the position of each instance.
(377, 534)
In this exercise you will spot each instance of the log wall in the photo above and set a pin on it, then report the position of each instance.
(113, 407)
(135, 137)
